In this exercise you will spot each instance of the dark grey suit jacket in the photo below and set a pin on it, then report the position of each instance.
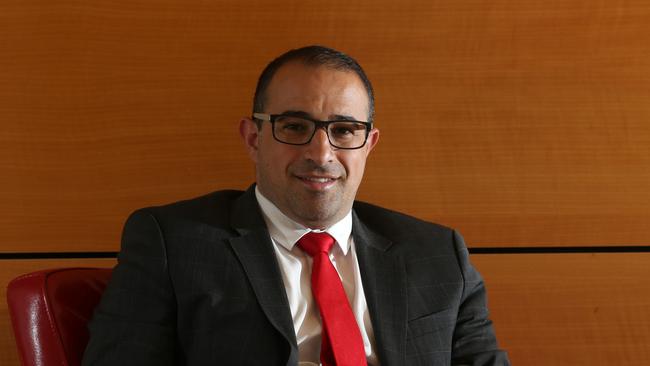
(197, 283)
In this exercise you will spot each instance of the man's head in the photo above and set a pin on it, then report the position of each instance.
(313, 56)
(313, 183)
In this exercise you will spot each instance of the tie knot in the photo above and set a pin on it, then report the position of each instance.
(314, 243)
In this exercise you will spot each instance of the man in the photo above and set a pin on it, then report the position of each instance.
(294, 271)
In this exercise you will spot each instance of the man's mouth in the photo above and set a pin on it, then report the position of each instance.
(318, 179)
(317, 183)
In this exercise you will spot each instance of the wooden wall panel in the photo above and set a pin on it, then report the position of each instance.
(14, 268)
(519, 123)
(570, 309)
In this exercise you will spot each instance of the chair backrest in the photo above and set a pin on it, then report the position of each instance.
(49, 311)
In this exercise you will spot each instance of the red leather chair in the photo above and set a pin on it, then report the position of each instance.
(49, 311)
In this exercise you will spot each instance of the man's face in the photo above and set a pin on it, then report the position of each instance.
(313, 184)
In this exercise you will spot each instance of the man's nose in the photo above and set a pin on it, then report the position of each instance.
(319, 149)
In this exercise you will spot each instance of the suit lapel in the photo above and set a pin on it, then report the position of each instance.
(384, 284)
(254, 250)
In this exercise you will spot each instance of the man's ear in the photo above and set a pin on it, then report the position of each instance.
(373, 139)
(250, 135)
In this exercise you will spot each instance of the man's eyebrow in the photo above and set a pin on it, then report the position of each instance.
(332, 117)
(341, 117)
(296, 114)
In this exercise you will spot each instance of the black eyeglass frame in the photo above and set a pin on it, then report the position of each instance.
(319, 124)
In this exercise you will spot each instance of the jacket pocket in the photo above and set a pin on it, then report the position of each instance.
(431, 323)
(429, 338)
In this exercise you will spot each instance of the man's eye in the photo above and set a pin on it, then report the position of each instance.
(294, 127)
(346, 129)
(341, 131)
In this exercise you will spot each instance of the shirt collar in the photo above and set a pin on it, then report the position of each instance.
(287, 232)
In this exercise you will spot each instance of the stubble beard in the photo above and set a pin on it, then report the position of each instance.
(316, 209)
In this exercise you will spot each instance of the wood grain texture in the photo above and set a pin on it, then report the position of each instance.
(10, 269)
(519, 123)
(570, 309)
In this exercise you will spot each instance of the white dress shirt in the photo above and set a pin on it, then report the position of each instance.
(295, 266)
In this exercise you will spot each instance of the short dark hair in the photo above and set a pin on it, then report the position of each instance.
(313, 56)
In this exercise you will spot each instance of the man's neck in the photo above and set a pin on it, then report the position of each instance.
(288, 231)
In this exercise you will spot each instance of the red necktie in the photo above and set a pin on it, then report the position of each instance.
(341, 344)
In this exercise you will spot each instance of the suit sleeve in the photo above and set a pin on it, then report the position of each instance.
(474, 340)
(134, 324)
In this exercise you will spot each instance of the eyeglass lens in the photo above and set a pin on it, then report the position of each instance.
(298, 131)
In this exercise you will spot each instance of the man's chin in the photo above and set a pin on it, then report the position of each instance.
(316, 216)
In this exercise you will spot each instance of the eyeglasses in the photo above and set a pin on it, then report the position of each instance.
(294, 130)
